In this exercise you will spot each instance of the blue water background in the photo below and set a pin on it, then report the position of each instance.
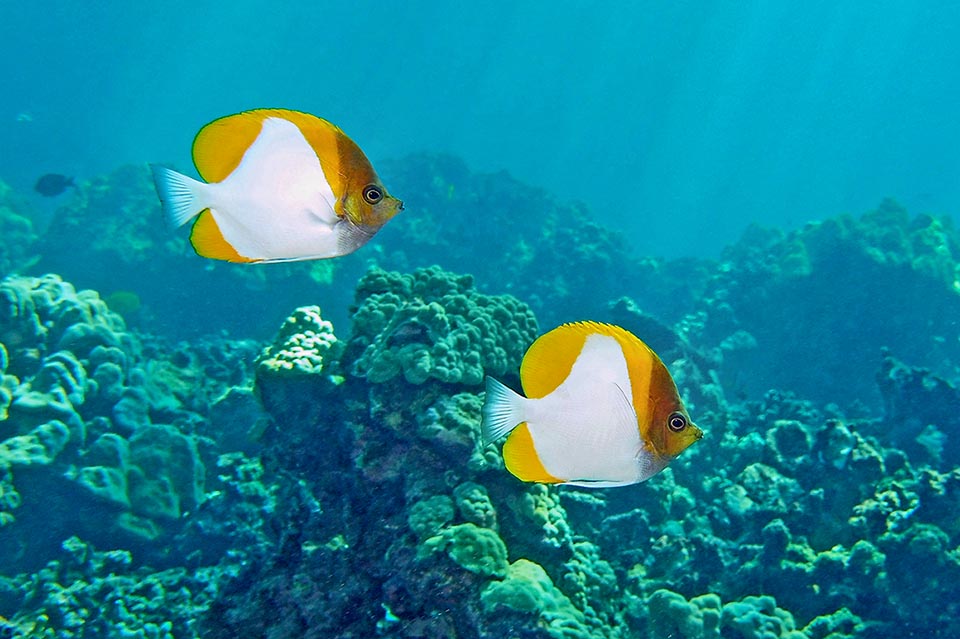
(676, 122)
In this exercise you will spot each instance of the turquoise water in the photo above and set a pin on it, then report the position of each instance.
(675, 122)
(764, 194)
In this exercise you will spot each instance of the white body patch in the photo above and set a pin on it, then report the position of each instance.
(586, 430)
(277, 204)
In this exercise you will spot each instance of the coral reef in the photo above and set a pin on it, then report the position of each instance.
(321, 484)
(97, 439)
(521, 241)
(86, 594)
(18, 233)
(298, 366)
(819, 304)
(434, 325)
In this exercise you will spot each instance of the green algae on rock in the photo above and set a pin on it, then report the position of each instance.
(479, 550)
(432, 324)
(429, 516)
(528, 589)
(673, 615)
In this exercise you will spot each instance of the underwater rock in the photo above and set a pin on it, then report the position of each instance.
(429, 516)
(9, 497)
(39, 316)
(299, 365)
(758, 618)
(673, 615)
(98, 431)
(451, 426)
(166, 475)
(474, 505)
(923, 545)
(920, 412)
(38, 447)
(800, 295)
(539, 505)
(434, 325)
(395, 468)
(68, 597)
(841, 624)
(45, 425)
(479, 550)
(17, 251)
(141, 484)
(303, 343)
(528, 590)
(237, 420)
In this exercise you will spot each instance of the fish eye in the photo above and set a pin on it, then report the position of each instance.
(372, 193)
(677, 422)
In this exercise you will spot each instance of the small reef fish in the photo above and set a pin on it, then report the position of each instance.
(53, 184)
(280, 186)
(601, 410)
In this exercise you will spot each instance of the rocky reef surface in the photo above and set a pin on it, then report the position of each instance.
(166, 470)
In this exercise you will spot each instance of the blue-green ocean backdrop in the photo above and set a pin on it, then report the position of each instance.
(677, 122)
(764, 192)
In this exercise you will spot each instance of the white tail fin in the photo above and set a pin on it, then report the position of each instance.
(178, 195)
(502, 411)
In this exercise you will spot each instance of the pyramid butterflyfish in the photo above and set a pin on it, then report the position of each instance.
(279, 186)
(600, 410)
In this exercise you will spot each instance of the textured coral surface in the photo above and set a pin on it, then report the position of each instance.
(191, 449)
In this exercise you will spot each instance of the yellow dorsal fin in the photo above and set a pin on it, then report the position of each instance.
(219, 146)
(208, 241)
(551, 357)
(521, 458)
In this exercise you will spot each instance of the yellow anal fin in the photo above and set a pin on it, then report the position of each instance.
(521, 458)
(208, 241)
